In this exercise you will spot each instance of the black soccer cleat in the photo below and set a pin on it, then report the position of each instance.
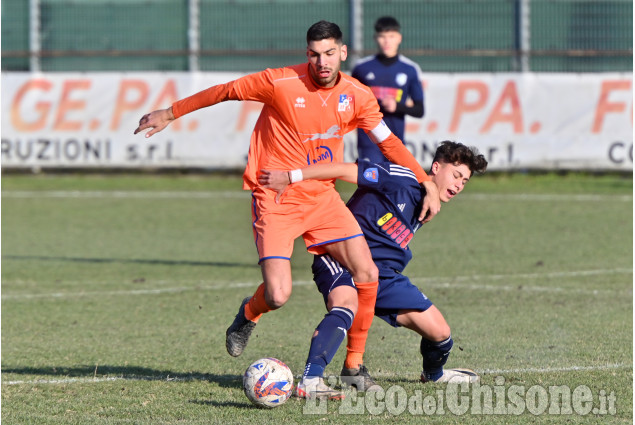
(359, 378)
(238, 333)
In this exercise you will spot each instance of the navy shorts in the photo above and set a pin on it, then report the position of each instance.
(395, 292)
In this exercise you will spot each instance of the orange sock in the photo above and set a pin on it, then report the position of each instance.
(353, 360)
(358, 333)
(257, 305)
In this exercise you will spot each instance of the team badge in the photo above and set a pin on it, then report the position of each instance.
(371, 175)
(345, 104)
(401, 79)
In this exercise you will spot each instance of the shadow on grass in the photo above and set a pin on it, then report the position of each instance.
(224, 404)
(129, 260)
(133, 373)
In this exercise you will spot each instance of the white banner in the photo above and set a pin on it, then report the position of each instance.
(519, 121)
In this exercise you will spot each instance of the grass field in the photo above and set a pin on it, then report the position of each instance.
(117, 290)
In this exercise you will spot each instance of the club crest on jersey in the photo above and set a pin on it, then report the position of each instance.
(345, 104)
(319, 154)
(401, 79)
(371, 175)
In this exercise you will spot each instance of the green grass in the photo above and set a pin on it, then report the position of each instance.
(117, 290)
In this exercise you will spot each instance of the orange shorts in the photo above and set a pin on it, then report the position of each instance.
(322, 220)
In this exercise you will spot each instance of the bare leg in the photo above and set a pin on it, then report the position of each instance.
(354, 254)
(430, 324)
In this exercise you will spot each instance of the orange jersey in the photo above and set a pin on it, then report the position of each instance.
(300, 124)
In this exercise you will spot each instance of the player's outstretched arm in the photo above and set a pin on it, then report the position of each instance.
(346, 171)
(156, 121)
(278, 180)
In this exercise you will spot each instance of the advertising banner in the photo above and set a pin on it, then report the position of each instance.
(519, 121)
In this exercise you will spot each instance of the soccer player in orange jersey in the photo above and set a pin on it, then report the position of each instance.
(307, 110)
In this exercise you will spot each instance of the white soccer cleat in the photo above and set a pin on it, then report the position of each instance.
(454, 376)
(315, 388)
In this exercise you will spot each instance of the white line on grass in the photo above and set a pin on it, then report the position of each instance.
(89, 380)
(136, 194)
(128, 194)
(554, 369)
(432, 282)
(546, 197)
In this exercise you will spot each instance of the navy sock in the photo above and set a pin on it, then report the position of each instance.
(435, 354)
(330, 334)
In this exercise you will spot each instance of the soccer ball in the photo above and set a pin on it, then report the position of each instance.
(268, 382)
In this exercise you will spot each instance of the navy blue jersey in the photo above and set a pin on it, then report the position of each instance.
(387, 205)
(400, 79)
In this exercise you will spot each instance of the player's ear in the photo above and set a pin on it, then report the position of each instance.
(434, 169)
(343, 52)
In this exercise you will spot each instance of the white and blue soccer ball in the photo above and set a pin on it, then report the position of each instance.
(268, 382)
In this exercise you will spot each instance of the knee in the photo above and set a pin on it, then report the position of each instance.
(277, 298)
(349, 304)
(440, 332)
(367, 274)
(343, 296)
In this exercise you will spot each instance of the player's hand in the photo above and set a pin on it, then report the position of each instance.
(389, 104)
(274, 180)
(156, 121)
(431, 202)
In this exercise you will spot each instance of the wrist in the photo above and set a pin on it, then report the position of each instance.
(295, 176)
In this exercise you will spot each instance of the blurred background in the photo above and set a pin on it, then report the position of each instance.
(250, 35)
(537, 84)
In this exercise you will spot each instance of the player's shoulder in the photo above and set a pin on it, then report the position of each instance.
(364, 61)
(288, 73)
(385, 176)
(390, 169)
(409, 63)
(348, 82)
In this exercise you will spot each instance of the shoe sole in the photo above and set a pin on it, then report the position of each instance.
(472, 376)
(301, 394)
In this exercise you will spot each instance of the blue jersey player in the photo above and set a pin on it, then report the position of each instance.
(386, 207)
(396, 82)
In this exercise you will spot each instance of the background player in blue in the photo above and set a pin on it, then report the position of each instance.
(386, 207)
(396, 82)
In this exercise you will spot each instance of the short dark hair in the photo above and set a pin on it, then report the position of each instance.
(323, 30)
(387, 23)
(458, 153)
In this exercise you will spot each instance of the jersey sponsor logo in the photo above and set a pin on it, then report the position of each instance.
(394, 228)
(345, 103)
(331, 133)
(319, 154)
(300, 102)
(371, 175)
(384, 92)
(401, 79)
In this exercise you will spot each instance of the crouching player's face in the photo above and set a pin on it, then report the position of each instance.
(449, 178)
